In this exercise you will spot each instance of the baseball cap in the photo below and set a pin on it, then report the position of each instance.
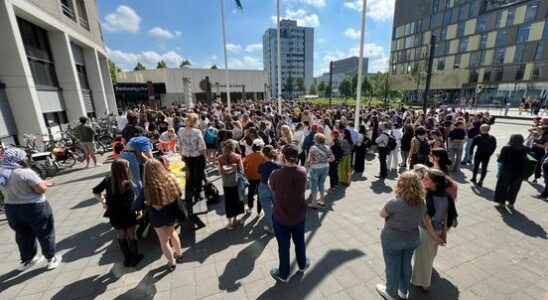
(290, 151)
(258, 143)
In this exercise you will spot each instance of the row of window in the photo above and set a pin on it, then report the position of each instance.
(68, 8)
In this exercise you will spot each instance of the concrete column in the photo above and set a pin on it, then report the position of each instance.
(65, 68)
(95, 79)
(15, 73)
(107, 83)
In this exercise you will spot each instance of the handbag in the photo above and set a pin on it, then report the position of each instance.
(243, 183)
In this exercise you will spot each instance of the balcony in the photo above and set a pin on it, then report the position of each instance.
(68, 11)
(84, 23)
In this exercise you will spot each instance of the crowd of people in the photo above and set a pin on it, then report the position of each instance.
(265, 160)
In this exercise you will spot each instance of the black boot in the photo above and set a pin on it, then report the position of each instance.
(125, 251)
(136, 257)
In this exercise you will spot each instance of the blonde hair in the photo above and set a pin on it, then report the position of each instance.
(409, 188)
(287, 132)
(192, 120)
(319, 138)
(160, 187)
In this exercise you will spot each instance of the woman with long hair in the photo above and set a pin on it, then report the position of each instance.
(400, 234)
(439, 158)
(160, 192)
(317, 163)
(439, 216)
(266, 195)
(512, 157)
(194, 152)
(248, 139)
(118, 202)
(408, 134)
(229, 164)
(345, 164)
(360, 149)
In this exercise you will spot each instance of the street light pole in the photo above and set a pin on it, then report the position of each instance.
(429, 72)
(279, 59)
(360, 67)
(227, 79)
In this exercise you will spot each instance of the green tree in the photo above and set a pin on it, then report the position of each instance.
(139, 67)
(321, 88)
(366, 86)
(345, 88)
(113, 70)
(161, 65)
(214, 67)
(382, 86)
(313, 88)
(288, 86)
(185, 63)
(301, 86)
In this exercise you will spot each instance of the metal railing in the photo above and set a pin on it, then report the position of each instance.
(84, 23)
(68, 11)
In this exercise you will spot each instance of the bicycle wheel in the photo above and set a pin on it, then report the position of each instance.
(40, 169)
(78, 153)
(68, 161)
(101, 147)
(52, 168)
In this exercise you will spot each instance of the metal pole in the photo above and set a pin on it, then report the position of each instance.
(429, 72)
(330, 82)
(229, 105)
(279, 59)
(360, 68)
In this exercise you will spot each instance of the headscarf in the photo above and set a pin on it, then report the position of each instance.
(12, 158)
(140, 143)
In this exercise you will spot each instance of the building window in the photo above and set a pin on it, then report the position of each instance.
(511, 17)
(520, 72)
(55, 118)
(498, 74)
(540, 50)
(447, 17)
(499, 19)
(38, 51)
(82, 14)
(463, 14)
(523, 33)
(483, 40)
(448, 4)
(463, 44)
(460, 29)
(483, 58)
(68, 9)
(531, 11)
(456, 63)
(474, 59)
(100, 30)
(545, 34)
(441, 64)
(518, 55)
(481, 24)
(474, 75)
(501, 37)
(486, 75)
(435, 6)
(499, 55)
(537, 70)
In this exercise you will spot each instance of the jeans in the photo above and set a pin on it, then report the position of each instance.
(31, 222)
(397, 259)
(266, 198)
(195, 176)
(284, 234)
(467, 156)
(455, 154)
(317, 179)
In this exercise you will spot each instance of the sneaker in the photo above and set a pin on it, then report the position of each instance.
(473, 181)
(268, 230)
(248, 211)
(275, 273)
(480, 183)
(54, 262)
(307, 265)
(381, 289)
(27, 265)
(402, 295)
(178, 259)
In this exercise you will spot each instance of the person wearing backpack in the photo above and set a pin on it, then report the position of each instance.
(385, 142)
(392, 160)
(420, 148)
(210, 138)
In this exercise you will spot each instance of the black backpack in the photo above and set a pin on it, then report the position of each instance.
(211, 193)
(392, 144)
(424, 149)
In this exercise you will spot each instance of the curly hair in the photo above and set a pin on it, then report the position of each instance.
(409, 188)
(160, 187)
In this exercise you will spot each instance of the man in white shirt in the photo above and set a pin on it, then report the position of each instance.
(121, 121)
(392, 160)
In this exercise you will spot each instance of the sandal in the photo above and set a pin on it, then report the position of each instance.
(178, 259)
(171, 267)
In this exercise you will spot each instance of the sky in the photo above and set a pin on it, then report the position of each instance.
(174, 30)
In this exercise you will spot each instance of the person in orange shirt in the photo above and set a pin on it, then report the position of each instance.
(251, 168)
(117, 147)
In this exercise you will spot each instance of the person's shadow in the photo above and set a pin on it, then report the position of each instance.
(146, 288)
(379, 187)
(85, 243)
(300, 285)
(87, 287)
(520, 222)
(483, 192)
(441, 288)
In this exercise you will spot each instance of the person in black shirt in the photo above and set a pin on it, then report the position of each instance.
(486, 145)
(513, 157)
(132, 129)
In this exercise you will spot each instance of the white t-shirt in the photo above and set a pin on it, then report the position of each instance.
(122, 122)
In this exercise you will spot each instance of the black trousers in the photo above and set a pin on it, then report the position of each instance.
(302, 158)
(195, 176)
(482, 159)
(538, 170)
(251, 191)
(383, 152)
(507, 189)
(333, 174)
(32, 222)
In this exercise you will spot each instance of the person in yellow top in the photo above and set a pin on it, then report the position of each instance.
(296, 113)
(251, 169)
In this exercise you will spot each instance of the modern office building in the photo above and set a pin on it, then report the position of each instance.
(187, 85)
(297, 57)
(53, 65)
(490, 50)
(344, 68)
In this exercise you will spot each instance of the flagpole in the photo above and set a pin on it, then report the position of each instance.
(226, 58)
(279, 59)
(360, 68)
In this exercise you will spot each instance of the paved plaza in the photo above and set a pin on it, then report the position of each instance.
(492, 254)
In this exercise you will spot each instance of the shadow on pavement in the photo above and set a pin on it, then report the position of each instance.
(486, 193)
(90, 177)
(441, 289)
(379, 187)
(146, 288)
(85, 243)
(86, 203)
(300, 285)
(521, 223)
(15, 277)
(87, 287)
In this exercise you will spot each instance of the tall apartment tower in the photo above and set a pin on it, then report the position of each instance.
(53, 65)
(297, 56)
(494, 51)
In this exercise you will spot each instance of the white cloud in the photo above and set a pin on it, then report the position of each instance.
(317, 3)
(321, 40)
(352, 33)
(128, 60)
(247, 62)
(233, 47)
(377, 58)
(123, 19)
(164, 33)
(378, 10)
(254, 47)
(301, 16)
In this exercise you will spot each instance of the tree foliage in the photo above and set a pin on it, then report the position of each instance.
(419, 70)
(214, 67)
(313, 88)
(185, 63)
(321, 88)
(161, 65)
(139, 67)
(113, 70)
(288, 86)
(345, 88)
(300, 85)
